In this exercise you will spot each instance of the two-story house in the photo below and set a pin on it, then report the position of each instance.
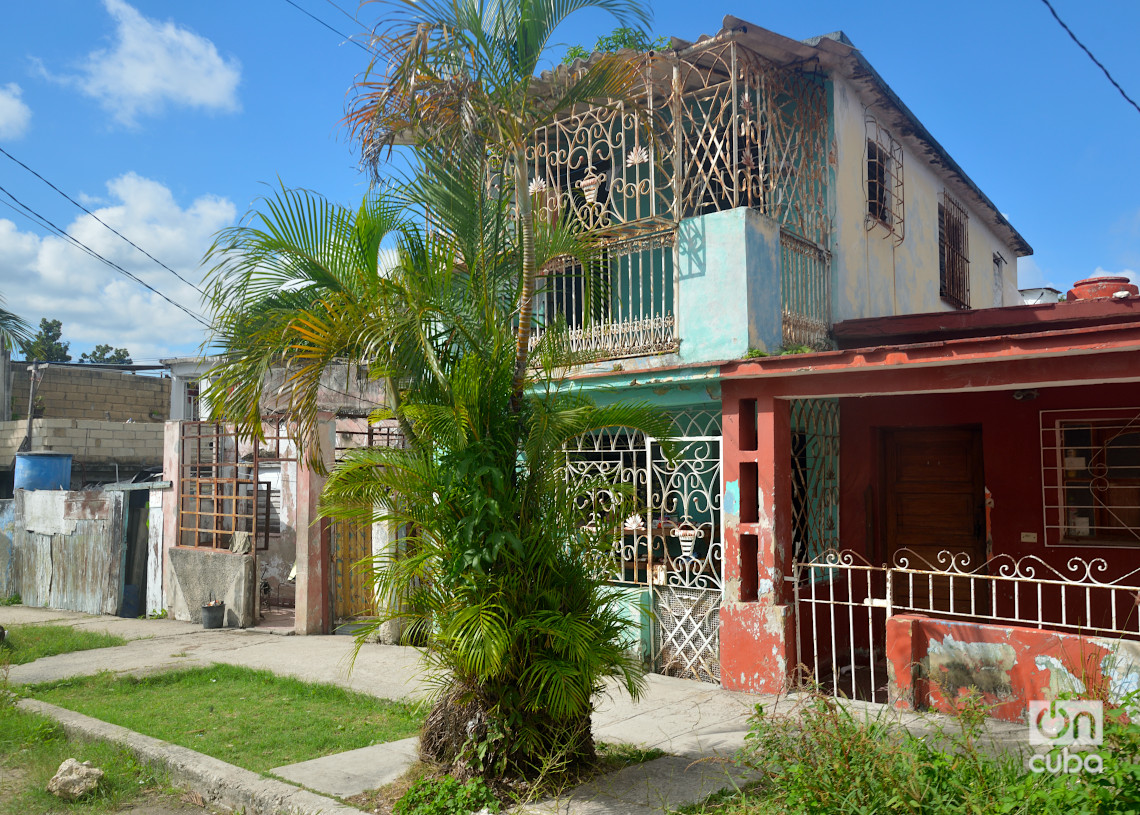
(760, 191)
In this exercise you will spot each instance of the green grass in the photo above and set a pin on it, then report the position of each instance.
(249, 718)
(614, 757)
(32, 748)
(27, 643)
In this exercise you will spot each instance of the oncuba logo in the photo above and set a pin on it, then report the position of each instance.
(1066, 724)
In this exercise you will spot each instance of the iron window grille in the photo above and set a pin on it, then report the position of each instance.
(884, 182)
(953, 252)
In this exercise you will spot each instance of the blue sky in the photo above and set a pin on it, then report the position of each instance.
(168, 120)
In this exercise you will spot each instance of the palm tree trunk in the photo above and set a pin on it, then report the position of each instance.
(526, 295)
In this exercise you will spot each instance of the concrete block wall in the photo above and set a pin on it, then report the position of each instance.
(92, 393)
(87, 440)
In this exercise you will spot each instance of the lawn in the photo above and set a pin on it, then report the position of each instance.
(27, 643)
(250, 718)
(32, 748)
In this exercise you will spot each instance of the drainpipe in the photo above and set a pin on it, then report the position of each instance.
(33, 386)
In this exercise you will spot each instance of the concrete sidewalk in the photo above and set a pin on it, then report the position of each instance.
(699, 725)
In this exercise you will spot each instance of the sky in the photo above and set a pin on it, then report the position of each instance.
(168, 120)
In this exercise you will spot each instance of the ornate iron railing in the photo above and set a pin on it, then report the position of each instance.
(668, 532)
(805, 290)
(622, 305)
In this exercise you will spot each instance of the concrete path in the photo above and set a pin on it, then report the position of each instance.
(699, 725)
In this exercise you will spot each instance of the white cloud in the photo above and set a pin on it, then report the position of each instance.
(152, 64)
(1132, 276)
(49, 277)
(14, 114)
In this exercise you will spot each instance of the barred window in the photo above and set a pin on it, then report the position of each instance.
(953, 252)
(1092, 476)
(885, 200)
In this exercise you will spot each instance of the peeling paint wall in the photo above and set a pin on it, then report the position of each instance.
(68, 550)
(932, 662)
(9, 565)
(874, 277)
(155, 599)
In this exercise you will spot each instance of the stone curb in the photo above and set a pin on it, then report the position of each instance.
(215, 780)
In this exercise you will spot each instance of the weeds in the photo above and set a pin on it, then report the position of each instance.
(11, 600)
(447, 796)
(829, 759)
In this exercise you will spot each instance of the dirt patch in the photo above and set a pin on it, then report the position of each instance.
(155, 802)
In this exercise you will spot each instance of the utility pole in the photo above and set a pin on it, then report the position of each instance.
(37, 374)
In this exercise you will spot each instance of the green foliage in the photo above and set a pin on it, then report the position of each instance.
(45, 346)
(14, 331)
(107, 355)
(27, 643)
(616, 40)
(250, 718)
(11, 600)
(810, 763)
(446, 796)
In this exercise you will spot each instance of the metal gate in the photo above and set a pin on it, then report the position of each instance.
(671, 538)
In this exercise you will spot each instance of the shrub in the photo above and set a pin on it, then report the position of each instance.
(446, 796)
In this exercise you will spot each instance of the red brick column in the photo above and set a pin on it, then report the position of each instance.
(757, 647)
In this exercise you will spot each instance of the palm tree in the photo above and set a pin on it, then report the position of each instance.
(462, 74)
(520, 630)
(14, 330)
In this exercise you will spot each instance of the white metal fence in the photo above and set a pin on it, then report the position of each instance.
(842, 603)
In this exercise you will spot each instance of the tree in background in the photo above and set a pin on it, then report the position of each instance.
(14, 331)
(106, 355)
(616, 40)
(45, 346)
(460, 76)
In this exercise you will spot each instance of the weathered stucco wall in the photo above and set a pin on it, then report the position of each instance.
(932, 662)
(198, 576)
(68, 549)
(729, 271)
(875, 277)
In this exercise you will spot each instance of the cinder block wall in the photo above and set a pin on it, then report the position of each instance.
(87, 440)
(70, 392)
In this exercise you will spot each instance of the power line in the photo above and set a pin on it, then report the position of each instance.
(1096, 61)
(100, 220)
(84, 247)
(340, 34)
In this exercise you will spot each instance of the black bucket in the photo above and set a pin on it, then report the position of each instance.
(213, 616)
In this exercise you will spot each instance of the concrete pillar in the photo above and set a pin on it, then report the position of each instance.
(728, 270)
(756, 620)
(172, 472)
(314, 572)
(385, 544)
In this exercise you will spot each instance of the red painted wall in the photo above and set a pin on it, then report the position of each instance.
(1012, 455)
(1004, 661)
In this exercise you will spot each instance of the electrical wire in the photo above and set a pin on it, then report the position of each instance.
(47, 224)
(340, 34)
(1096, 61)
(101, 221)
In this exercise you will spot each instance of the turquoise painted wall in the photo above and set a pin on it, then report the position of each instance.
(729, 272)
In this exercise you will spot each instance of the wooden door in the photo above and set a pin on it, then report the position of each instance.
(934, 496)
(352, 581)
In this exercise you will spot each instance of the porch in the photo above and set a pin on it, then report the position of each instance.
(899, 515)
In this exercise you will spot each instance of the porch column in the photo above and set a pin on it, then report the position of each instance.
(757, 649)
(314, 575)
(385, 543)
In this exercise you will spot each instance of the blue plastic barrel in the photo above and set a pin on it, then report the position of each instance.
(42, 471)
